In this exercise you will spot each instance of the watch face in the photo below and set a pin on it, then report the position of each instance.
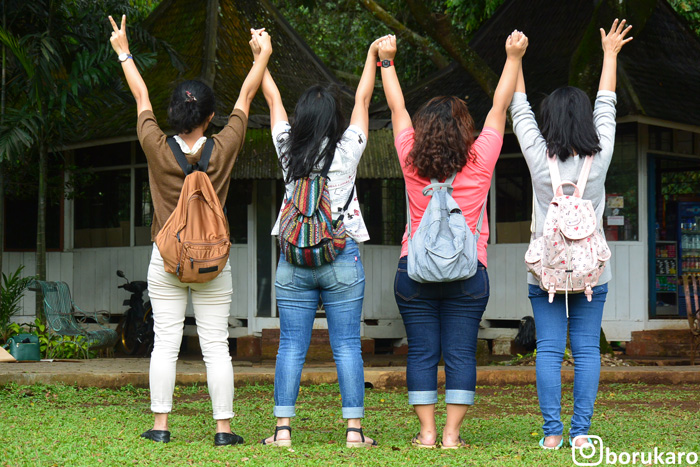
(386, 63)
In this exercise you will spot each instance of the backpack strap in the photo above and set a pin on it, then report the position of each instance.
(181, 159)
(435, 184)
(408, 215)
(344, 209)
(428, 191)
(479, 223)
(554, 173)
(327, 167)
(481, 216)
(583, 176)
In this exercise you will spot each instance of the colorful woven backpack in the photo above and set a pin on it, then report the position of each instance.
(308, 236)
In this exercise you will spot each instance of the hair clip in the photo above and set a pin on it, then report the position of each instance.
(190, 97)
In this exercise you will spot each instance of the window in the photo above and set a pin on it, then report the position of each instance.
(383, 205)
(240, 196)
(103, 197)
(21, 205)
(143, 208)
(621, 216)
(513, 200)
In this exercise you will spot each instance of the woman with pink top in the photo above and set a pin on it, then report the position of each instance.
(442, 319)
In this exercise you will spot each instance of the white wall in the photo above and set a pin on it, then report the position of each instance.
(626, 308)
(57, 265)
(90, 273)
(91, 276)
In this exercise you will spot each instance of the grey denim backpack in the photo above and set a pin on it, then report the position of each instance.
(443, 248)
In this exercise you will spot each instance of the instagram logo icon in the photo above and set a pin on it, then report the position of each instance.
(591, 453)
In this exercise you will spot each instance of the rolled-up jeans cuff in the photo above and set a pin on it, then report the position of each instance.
(161, 408)
(459, 396)
(223, 415)
(353, 412)
(422, 397)
(284, 411)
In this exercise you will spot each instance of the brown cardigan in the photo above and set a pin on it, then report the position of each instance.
(165, 175)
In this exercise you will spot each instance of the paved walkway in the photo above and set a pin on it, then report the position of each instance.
(116, 372)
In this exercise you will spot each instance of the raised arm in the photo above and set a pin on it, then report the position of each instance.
(400, 119)
(612, 42)
(262, 49)
(138, 88)
(363, 95)
(274, 100)
(520, 83)
(516, 44)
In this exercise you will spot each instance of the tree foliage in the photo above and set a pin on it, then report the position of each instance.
(339, 30)
(60, 71)
(690, 10)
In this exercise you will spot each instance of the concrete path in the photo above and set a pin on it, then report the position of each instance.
(117, 372)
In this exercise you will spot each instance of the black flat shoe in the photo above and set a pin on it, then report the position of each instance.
(159, 436)
(225, 439)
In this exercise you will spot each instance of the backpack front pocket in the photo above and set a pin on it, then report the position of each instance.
(202, 262)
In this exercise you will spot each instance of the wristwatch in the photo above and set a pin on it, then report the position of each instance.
(124, 57)
(385, 63)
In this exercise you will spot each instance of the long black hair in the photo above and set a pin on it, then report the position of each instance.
(566, 123)
(191, 105)
(315, 132)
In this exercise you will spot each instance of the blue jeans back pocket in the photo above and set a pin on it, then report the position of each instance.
(285, 273)
(345, 268)
(404, 287)
(477, 286)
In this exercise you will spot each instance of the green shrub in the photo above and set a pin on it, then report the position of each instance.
(11, 291)
(53, 345)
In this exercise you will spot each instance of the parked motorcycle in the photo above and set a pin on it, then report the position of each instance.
(136, 326)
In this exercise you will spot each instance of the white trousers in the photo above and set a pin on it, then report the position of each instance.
(212, 304)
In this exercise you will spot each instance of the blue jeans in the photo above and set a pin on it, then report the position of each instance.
(584, 333)
(441, 319)
(341, 287)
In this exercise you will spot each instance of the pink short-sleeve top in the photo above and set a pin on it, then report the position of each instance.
(470, 186)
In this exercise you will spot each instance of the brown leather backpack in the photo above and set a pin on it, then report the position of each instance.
(195, 241)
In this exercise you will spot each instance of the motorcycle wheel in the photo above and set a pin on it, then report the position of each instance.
(129, 335)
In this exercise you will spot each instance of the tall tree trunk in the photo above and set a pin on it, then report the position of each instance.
(2, 163)
(404, 32)
(440, 28)
(584, 68)
(41, 226)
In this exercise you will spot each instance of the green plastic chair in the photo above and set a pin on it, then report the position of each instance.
(65, 318)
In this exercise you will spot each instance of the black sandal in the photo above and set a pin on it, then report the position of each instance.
(359, 444)
(282, 442)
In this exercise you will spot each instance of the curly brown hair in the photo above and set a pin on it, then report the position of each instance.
(444, 134)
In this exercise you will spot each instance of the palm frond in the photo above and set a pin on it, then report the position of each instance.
(20, 131)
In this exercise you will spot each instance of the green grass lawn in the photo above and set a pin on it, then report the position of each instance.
(66, 425)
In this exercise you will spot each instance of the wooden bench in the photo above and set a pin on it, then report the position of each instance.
(691, 287)
(65, 318)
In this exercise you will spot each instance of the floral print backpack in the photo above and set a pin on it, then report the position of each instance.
(571, 254)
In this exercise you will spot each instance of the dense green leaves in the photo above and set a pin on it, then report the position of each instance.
(690, 10)
(12, 288)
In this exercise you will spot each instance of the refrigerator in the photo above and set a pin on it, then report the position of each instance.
(688, 229)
